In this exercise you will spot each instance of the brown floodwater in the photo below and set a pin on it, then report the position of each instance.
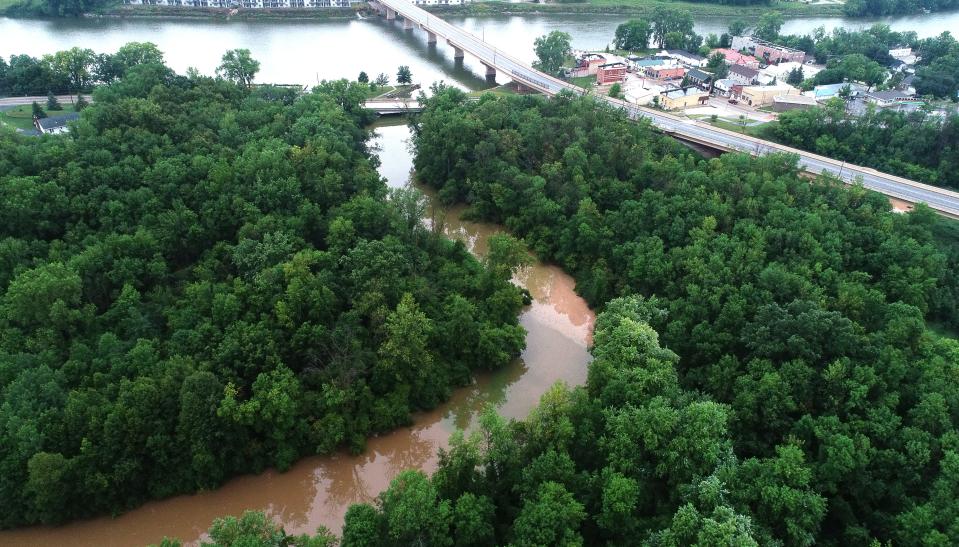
(318, 490)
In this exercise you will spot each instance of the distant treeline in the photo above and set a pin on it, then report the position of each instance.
(73, 70)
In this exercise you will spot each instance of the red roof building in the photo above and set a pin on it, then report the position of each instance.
(736, 58)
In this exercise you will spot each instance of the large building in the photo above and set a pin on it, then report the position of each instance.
(610, 73)
(678, 99)
(762, 95)
(768, 52)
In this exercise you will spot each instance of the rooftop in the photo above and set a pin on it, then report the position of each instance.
(60, 121)
(744, 71)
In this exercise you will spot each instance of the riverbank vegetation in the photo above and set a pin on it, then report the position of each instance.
(762, 372)
(204, 279)
(916, 145)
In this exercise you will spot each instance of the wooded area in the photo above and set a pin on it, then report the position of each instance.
(763, 371)
(204, 279)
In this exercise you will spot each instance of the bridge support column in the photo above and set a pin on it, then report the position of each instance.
(490, 73)
(430, 37)
(457, 51)
(407, 24)
(390, 14)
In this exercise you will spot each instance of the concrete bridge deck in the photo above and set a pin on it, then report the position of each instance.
(495, 60)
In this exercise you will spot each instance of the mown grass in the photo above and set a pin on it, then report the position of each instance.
(21, 117)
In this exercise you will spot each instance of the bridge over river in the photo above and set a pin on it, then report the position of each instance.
(496, 61)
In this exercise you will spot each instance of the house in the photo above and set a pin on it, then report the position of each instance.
(55, 126)
(665, 73)
(700, 78)
(743, 74)
(610, 73)
(825, 92)
(685, 57)
(735, 58)
(782, 103)
(904, 55)
(723, 87)
(906, 85)
(769, 52)
(762, 95)
(682, 98)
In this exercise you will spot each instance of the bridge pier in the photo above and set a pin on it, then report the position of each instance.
(407, 24)
(430, 37)
(390, 14)
(490, 73)
(457, 51)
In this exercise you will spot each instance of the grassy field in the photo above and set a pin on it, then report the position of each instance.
(21, 116)
(583, 81)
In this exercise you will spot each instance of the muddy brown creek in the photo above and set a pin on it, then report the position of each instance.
(318, 490)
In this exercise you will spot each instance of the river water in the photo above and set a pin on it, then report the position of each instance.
(304, 51)
(318, 490)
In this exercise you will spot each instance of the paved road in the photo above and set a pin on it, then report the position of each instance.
(16, 101)
(944, 201)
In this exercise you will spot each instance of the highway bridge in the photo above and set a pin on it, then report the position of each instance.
(496, 61)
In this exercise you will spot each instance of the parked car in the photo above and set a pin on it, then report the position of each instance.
(733, 101)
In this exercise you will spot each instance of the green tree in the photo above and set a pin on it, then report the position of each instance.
(37, 110)
(769, 25)
(553, 517)
(52, 102)
(413, 513)
(238, 66)
(552, 50)
(403, 75)
(363, 78)
(633, 35)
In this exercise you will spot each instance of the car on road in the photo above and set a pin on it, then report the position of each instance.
(733, 101)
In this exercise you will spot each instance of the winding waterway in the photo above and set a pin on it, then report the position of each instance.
(318, 490)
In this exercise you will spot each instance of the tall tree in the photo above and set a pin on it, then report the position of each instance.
(552, 50)
(238, 66)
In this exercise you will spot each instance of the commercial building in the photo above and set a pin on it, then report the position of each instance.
(769, 52)
(782, 103)
(762, 95)
(678, 99)
(610, 73)
(825, 92)
(665, 73)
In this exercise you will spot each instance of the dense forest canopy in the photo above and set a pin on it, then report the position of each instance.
(763, 371)
(203, 279)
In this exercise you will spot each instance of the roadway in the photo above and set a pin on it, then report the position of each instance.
(943, 201)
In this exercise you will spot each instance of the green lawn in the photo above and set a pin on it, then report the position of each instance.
(583, 81)
(504, 89)
(21, 116)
